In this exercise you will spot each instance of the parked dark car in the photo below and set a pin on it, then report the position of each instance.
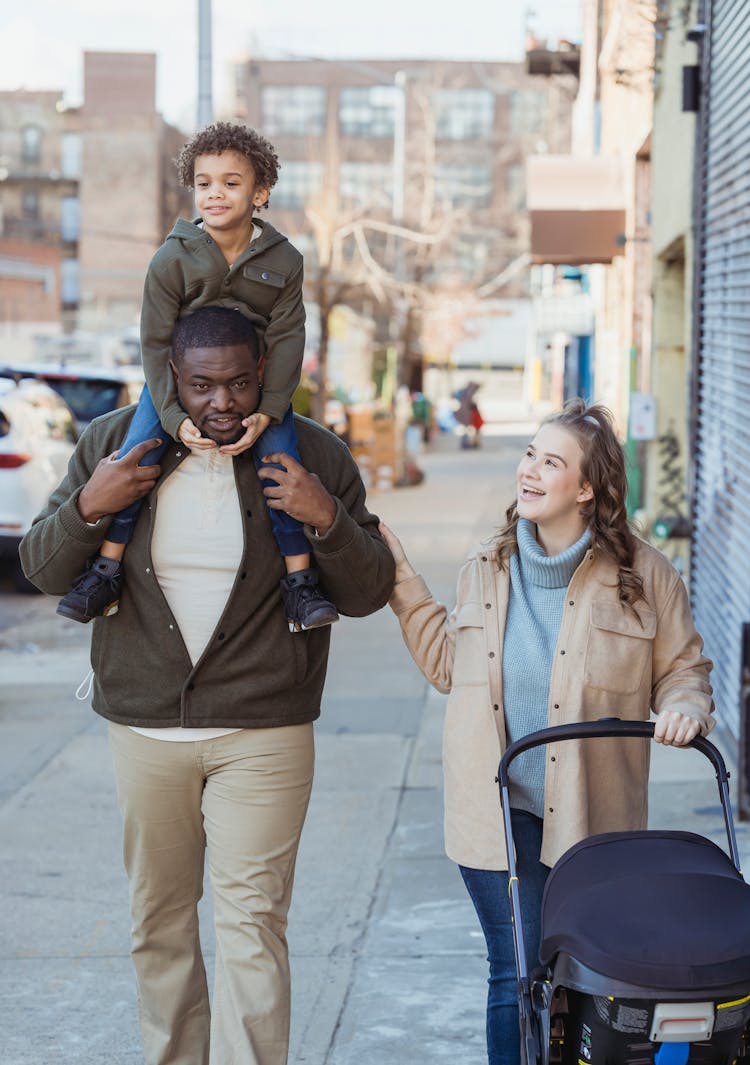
(88, 390)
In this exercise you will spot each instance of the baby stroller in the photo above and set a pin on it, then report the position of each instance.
(645, 939)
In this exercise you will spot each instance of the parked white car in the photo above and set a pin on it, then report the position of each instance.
(37, 438)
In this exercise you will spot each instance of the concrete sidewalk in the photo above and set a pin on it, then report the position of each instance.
(388, 960)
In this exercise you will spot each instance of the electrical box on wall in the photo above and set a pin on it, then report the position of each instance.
(642, 416)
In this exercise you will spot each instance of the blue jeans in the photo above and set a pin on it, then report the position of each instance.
(145, 425)
(488, 889)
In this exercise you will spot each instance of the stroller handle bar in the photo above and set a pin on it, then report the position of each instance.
(615, 726)
(605, 726)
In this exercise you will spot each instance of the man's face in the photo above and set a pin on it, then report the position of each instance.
(217, 388)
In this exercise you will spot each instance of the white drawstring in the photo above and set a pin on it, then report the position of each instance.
(83, 691)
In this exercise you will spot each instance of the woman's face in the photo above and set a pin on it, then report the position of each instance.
(548, 481)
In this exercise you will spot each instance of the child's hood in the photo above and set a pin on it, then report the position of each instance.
(186, 231)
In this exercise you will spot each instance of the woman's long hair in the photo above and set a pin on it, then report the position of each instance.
(603, 466)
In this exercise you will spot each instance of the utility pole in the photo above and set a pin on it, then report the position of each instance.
(205, 111)
(399, 148)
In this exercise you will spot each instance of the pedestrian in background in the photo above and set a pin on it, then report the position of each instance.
(565, 616)
(477, 421)
(464, 413)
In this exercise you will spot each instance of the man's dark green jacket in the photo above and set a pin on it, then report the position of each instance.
(253, 673)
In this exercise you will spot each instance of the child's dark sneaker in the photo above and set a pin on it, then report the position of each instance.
(305, 605)
(95, 593)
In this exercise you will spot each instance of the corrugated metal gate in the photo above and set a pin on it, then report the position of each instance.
(721, 500)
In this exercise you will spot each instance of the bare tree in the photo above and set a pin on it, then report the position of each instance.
(440, 254)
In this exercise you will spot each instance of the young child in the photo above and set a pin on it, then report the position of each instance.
(226, 258)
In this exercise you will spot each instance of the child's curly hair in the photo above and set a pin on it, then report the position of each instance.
(230, 137)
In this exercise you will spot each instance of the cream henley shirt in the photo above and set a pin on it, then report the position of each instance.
(196, 550)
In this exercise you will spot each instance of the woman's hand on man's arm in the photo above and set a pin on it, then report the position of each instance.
(404, 568)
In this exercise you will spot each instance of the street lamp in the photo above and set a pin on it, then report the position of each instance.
(399, 147)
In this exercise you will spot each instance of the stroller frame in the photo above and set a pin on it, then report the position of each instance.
(534, 997)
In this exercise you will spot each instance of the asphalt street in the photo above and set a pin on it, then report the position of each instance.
(387, 957)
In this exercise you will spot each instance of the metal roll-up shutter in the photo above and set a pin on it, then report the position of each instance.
(721, 499)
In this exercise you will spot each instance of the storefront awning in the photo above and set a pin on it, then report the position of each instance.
(577, 209)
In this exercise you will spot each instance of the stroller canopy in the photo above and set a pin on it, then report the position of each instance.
(656, 909)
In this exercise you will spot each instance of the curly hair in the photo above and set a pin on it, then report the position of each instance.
(230, 137)
(214, 327)
(603, 467)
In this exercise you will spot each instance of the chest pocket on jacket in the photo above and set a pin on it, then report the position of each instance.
(470, 664)
(263, 276)
(259, 288)
(619, 647)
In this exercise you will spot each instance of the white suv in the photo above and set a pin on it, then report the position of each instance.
(37, 437)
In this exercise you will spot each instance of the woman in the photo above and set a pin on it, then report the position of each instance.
(566, 617)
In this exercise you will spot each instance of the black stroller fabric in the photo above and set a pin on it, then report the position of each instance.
(661, 909)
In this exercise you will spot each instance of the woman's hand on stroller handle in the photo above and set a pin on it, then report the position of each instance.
(675, 729)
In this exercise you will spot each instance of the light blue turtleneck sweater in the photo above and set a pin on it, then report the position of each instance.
(535, 607)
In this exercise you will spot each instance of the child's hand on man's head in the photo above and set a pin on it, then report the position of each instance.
(190, 436)
(255, 424)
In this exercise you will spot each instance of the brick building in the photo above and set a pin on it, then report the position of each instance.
(438, 146)
(39, 214)
(129, 197)
(86, 196)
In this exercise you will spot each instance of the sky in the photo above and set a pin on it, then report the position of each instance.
(42, 49)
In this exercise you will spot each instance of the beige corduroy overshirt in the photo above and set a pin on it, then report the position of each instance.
(607, 663)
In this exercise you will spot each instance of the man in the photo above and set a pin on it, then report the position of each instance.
(210, 698)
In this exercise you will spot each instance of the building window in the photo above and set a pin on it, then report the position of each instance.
(294, 109)
(463, 185)
(30, 205)
(463, 114)
(71, 155)
(31, 144)
(528, 109)
(367, 185)
(69, 217)
(70, 281)
(368, 111)
(299, 183)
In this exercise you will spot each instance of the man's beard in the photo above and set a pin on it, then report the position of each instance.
(210, 433)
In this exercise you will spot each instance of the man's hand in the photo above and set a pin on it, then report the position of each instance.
(299, 493)
(675, 729)
(191, 437)
(116, 483)
(255, 424)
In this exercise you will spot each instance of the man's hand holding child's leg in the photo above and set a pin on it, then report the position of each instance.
(255, 424)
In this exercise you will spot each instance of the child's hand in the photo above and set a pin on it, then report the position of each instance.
(255, 424)
(191, 437)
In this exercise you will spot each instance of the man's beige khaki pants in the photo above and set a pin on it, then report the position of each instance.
(242, 798)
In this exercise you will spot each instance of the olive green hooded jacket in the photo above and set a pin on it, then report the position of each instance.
(264, 283)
